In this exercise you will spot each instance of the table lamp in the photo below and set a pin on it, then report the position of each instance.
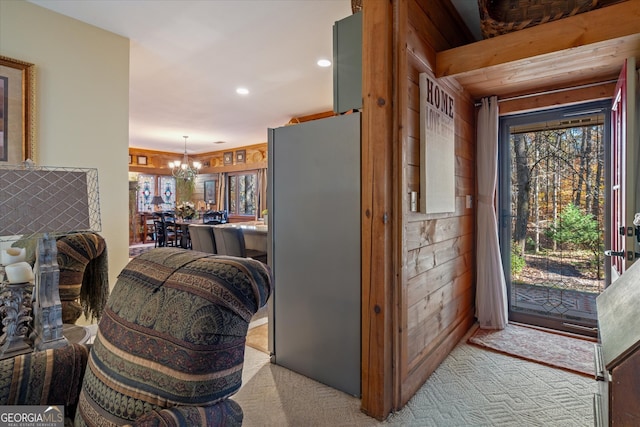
(157, 201)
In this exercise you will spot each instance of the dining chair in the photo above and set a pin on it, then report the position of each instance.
(202, 238)
(172, 230)
(164, 235)
(230, 241)
(185, 238)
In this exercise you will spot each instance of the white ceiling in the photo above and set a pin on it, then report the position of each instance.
(188, 57)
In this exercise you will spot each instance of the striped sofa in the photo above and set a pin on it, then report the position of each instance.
(170, 345)
(49, 377)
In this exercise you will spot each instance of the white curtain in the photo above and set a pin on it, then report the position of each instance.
(491, 292)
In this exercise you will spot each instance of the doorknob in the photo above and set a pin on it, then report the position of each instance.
(609, 252)
(629, 255)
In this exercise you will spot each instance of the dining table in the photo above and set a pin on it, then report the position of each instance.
(183, 226)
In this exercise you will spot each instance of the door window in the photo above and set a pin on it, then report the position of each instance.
(552, 223)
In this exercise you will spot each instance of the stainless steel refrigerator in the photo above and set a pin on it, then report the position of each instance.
(314, 249)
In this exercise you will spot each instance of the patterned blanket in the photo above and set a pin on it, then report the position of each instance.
(84, 273)
(83, 260)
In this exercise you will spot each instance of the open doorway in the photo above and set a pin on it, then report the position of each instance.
(552, 224)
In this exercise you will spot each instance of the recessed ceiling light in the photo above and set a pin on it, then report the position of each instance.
(242, 91)
(324, 63)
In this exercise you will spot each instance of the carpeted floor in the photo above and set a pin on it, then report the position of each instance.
(472, 387)
(549, 348)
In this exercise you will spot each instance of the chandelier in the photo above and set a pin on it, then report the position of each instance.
(185, 170)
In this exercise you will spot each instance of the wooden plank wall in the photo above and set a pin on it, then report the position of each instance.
(436, 296)
(437, 264)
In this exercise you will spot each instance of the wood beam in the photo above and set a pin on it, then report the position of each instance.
(567, 97)
(377, 200)
(611, 22)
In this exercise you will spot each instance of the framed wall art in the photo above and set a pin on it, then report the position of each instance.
(227, 158)
(241, 156)
(17, 101)
(210, 192)
(142, 160)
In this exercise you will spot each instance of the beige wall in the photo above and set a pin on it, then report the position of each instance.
(82, 104)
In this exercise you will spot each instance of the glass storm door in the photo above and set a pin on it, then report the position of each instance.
(552, 203)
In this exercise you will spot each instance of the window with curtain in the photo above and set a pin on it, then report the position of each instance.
(241, 193)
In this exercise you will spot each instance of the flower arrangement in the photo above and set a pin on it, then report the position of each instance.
(186, 210)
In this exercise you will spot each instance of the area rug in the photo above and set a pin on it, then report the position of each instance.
(258, 338)
(541, 346)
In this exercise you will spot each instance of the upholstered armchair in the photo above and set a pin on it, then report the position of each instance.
(169, 348)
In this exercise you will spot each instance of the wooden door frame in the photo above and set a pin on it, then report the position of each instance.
(379, 221)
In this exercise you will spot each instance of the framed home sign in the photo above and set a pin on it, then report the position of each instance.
(437, 147)
(17, 100)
